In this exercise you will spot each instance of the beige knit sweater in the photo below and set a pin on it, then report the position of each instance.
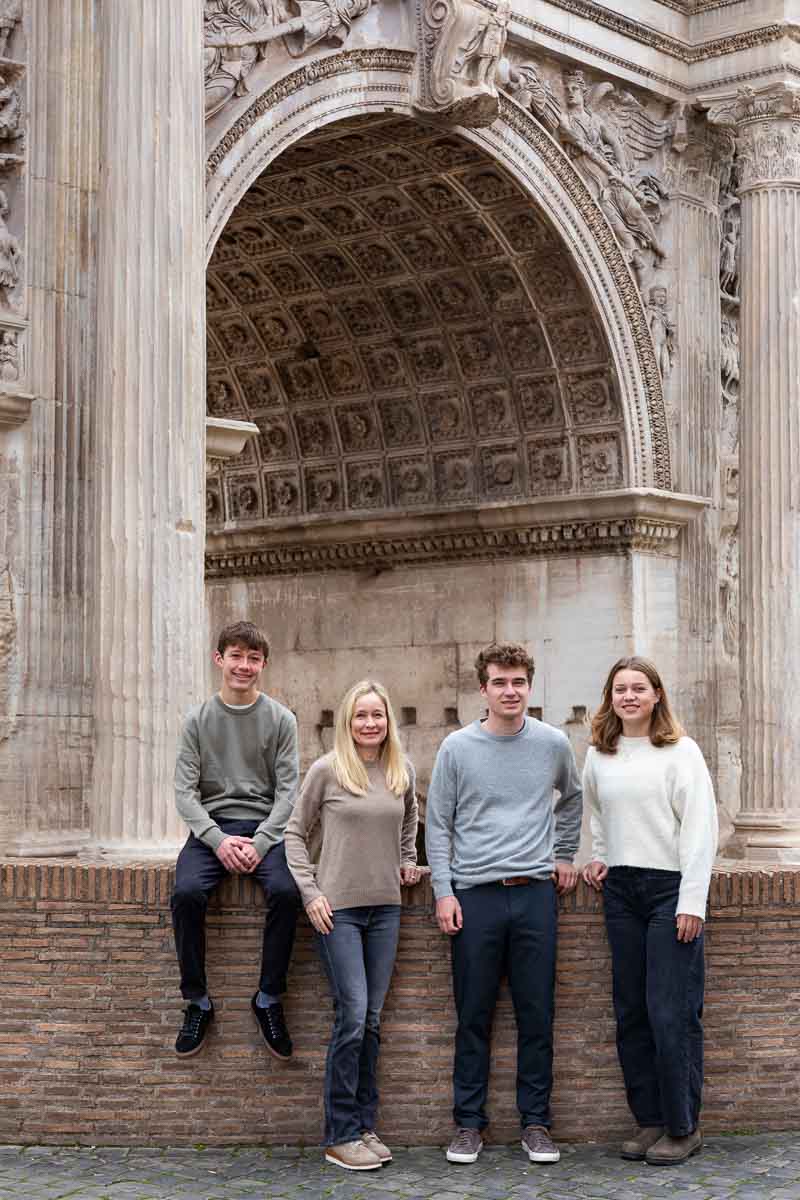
(365, 839)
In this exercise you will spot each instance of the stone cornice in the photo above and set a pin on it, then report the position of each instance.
(635, 519)
(684, 52)
(15, 408)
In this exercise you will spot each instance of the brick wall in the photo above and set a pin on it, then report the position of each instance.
(89, 1010)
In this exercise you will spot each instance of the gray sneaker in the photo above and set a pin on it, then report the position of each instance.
(465, 1146)
(540, 1146)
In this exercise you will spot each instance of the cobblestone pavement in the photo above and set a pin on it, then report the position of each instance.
(763, 1167)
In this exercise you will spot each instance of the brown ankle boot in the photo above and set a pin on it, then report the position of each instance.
(669, 1151)
(637, 1146)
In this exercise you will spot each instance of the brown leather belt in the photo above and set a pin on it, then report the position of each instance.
(516, 880)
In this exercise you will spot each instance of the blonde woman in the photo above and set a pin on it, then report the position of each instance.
(654, 838)
(361, 796)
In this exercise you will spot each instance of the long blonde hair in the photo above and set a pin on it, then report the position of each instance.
(665, 729)
(347, 764)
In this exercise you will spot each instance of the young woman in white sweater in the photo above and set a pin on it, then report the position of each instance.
(361, 799)
(654, 838)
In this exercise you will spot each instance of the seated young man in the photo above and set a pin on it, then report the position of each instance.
(235, 782)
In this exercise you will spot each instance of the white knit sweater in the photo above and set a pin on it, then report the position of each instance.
(654, 807)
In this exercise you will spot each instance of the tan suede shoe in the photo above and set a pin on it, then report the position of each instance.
(669, 1151)
(353, 1156)
(371, 1140)
(637, 1146)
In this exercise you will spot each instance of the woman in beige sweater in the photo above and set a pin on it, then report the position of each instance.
(361, 799)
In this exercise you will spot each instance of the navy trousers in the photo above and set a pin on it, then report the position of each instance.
(658, 998)
(507, 931)
(198, 872)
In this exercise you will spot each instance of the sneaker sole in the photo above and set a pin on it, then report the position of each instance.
(454, 1157)
(337, 1162)
(272, 1050)
(191, 1053)
(673, 1162)
(547, 1157)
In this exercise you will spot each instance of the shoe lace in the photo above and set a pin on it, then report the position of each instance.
(464, 1139)
(192, 1017)
(276, 1021)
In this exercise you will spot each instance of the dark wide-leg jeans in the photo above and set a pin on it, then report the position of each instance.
(358, 956)
(507, 931)
(658, 998)
(198, 872)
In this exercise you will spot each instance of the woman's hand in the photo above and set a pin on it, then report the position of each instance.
(689, 928)
(594, 873)
(410, 875)
(320, 914)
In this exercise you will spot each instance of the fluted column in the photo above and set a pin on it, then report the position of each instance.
(768, 824)
(150, 458)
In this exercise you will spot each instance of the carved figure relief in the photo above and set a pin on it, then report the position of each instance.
(10, 16)
(10, 112)
(10, 252)
(9, 356)
(238, 32)
(462, 42)
(607, 133)
(662, 329)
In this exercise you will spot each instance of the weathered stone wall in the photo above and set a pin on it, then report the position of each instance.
(90, 1009)
(418, 629)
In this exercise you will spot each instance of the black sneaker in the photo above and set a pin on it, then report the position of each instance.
(272, 1024)
(192, 1036)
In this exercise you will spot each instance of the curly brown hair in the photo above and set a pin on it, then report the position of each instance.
(503, 654)
(665, 730)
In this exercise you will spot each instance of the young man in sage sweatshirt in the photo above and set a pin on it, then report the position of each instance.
(500, 851)
(235, 782)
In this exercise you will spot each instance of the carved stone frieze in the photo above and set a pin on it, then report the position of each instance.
(323, 488)
(365, 485)
(445, 416)
(10, 17)
(460, 45)
(283, 493)
(244, 497)
(501, 471)
(238, 33)
(411, 480)
(315, 436)
(600, 461)
(538, 402)
(549, 468)
(358, 428)
(454, 474)
(400, 422)
(589, 398)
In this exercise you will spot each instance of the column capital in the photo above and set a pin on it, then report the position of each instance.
(767, 126)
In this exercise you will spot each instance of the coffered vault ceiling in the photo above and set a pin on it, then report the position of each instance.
(407, 332)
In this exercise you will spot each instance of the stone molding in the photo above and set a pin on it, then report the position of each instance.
(227, 439)
(635, 519)
(15, 408)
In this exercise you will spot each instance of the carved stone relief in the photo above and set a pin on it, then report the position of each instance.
(430, 345)
(239, 33)
(460, 45)
(614, 140)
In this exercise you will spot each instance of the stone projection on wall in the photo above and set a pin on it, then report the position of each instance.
(461, 43)
(613, 140)
(237, 34)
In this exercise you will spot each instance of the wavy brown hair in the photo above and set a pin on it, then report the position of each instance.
(665, 729)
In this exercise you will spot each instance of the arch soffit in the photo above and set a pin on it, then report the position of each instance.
(379, 81)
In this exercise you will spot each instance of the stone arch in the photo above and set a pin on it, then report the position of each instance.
(357, 83)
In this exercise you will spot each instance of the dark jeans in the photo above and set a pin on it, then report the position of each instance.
(507, 931)
(658, 998)
(198, 871)
(358, 956)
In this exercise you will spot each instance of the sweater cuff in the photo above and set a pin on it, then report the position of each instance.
(263, 842)
(213, 837)
(442, 888)
(692, 899)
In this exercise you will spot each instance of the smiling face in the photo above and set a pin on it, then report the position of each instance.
(241, 670)
(633, 699)
(506, 692)
(369, 724)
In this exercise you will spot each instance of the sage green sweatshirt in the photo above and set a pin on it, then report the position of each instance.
(238, 763)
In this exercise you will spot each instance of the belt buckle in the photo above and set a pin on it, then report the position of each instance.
(515, 880)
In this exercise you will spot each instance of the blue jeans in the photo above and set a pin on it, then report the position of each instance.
(658, 998)
(358, 956)
(507, 931)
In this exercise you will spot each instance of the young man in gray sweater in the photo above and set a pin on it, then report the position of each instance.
(235, 783)
(500, 851)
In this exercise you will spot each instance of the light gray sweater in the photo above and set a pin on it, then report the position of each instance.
(239, 763)
(490, 807)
